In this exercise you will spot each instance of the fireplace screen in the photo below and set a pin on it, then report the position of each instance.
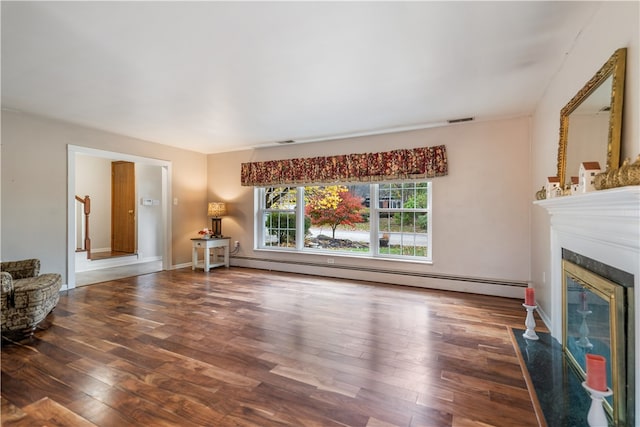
(594, 321)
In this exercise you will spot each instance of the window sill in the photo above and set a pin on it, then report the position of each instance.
(354, 256)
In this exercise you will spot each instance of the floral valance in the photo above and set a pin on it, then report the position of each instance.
(414, 163)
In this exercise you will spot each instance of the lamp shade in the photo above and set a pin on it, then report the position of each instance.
(217, 209)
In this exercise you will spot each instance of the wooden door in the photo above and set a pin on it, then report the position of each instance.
(123, 205)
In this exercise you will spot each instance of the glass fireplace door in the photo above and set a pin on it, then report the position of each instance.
(593, 319)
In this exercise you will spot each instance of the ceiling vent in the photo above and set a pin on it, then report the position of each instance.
(466, 119)
(288, 141)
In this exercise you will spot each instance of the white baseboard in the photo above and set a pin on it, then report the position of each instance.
(183, 265)
(545, 318)
(482, 286)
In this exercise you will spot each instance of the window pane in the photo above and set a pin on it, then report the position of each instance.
(280, 229)
(390, 196)
(338, 218)
(280, 198)
(403, 243)
(411, 195)
(420, 199)
(403, 226)
(279, 217)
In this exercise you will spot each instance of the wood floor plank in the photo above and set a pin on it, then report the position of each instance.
(384, 413)
(172, 401)
(101, 414)
(10, 414)
(243, 347)
(49, 412)
(30, 384)
(141, 410)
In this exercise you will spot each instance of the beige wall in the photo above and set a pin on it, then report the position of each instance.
(34, 187)
(149, 217)
(615, 25)
(481, 209)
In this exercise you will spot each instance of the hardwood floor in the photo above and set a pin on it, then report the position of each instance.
(242, 347)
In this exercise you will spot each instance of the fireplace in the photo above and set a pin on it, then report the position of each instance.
(598, 319)
(598, 235)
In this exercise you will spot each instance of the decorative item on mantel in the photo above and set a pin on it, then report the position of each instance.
(623, 173)
(553, 188)
(600, 180)
(588, 171)
(634, 172)
(627, 174)
(541, 194)
(612, 179)
(575, 185)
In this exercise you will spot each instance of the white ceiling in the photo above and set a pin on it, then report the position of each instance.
(223, 76)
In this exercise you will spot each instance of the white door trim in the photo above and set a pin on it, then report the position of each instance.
(165, 203)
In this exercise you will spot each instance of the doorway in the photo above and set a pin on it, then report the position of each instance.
(151, 223)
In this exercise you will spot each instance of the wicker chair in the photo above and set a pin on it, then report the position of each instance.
(27, 297)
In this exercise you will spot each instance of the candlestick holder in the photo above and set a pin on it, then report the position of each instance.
(530, 323)
(583, 330)
(597, 417)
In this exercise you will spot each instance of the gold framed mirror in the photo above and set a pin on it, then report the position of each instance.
(591, 123)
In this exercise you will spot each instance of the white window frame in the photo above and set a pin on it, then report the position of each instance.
(262, 211)
(428, 210)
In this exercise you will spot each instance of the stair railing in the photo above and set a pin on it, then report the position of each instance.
(84, 241)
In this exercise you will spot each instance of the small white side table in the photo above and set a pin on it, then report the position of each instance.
(207, 244)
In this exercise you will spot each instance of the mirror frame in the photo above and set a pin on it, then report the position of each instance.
(615, 67)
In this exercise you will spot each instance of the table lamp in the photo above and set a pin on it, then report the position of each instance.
(216, 211)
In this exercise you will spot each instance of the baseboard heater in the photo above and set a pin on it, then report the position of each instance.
(387, 271)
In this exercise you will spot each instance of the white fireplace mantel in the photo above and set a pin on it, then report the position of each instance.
(604, 226)
(610, 215)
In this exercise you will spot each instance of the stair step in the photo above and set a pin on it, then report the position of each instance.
(97, 256)
(83, 264)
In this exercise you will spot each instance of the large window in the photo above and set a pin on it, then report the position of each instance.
(384, 220)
